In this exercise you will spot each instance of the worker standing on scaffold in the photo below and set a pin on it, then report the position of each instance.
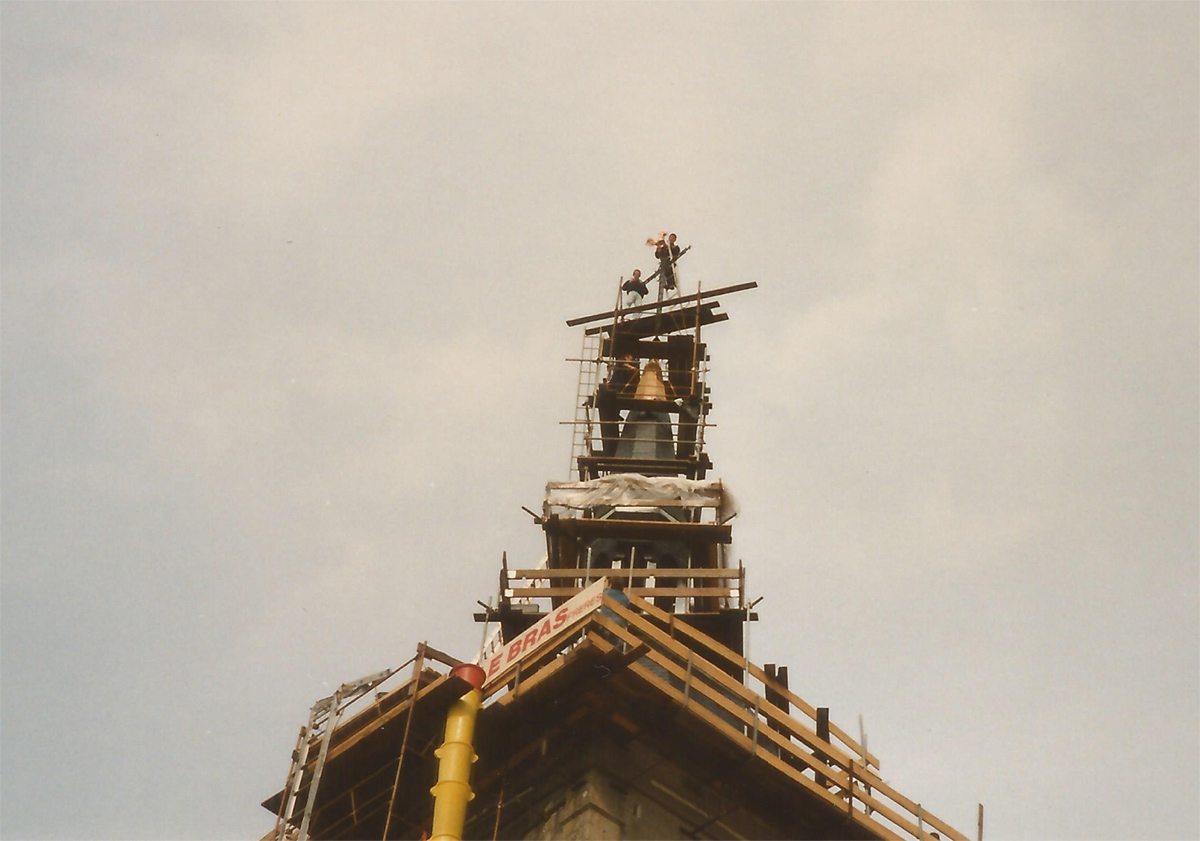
(667, 253)
(635, 289)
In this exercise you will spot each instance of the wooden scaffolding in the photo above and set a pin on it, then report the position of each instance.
(639, 715)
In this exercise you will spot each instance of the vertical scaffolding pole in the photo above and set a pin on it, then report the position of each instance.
(412, 707)
(823, 735)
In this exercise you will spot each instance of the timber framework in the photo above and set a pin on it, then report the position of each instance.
(613, 697)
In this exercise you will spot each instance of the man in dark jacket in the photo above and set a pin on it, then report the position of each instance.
(635, 289)
(667, 253)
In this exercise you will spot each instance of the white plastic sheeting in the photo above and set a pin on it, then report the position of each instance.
(633, 490)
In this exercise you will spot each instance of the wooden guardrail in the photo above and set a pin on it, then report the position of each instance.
(665, 572)
(655, 646)
(668, 581)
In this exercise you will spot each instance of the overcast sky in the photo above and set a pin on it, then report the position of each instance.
(282, 344)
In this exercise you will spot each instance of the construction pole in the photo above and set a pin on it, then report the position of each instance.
(418, 664)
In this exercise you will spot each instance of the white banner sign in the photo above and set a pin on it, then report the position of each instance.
(545, 630)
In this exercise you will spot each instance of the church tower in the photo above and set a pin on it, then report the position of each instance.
(613, 698)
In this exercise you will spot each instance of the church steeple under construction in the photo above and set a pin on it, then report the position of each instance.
(612, 698)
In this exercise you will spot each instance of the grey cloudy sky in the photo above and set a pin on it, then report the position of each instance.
(282, 333)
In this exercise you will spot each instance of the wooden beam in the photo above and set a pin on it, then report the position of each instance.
(601, 316)
(741, 739)
(596, 572)
(641, 529)
(671, 322)
(863, 773)
(441, 656)
(647, 640)
(821, 747)
(448, 684)
(823, 734)
(740, 711)
(682, 592)
(741, 662)
(647, 466)
(770, 711)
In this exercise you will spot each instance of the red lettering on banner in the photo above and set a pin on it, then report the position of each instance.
(521, 646)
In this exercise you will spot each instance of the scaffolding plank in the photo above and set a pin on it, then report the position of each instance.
(645, 466)
(642, 529)
(594, 572)
(447, 686)
(682, 592)
(672, 322)
(601, 316)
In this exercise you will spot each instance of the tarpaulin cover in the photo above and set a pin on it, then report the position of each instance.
(636, 490)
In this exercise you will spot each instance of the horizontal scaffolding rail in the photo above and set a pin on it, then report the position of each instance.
(637, 574)
(664, 653)
(674, 302)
